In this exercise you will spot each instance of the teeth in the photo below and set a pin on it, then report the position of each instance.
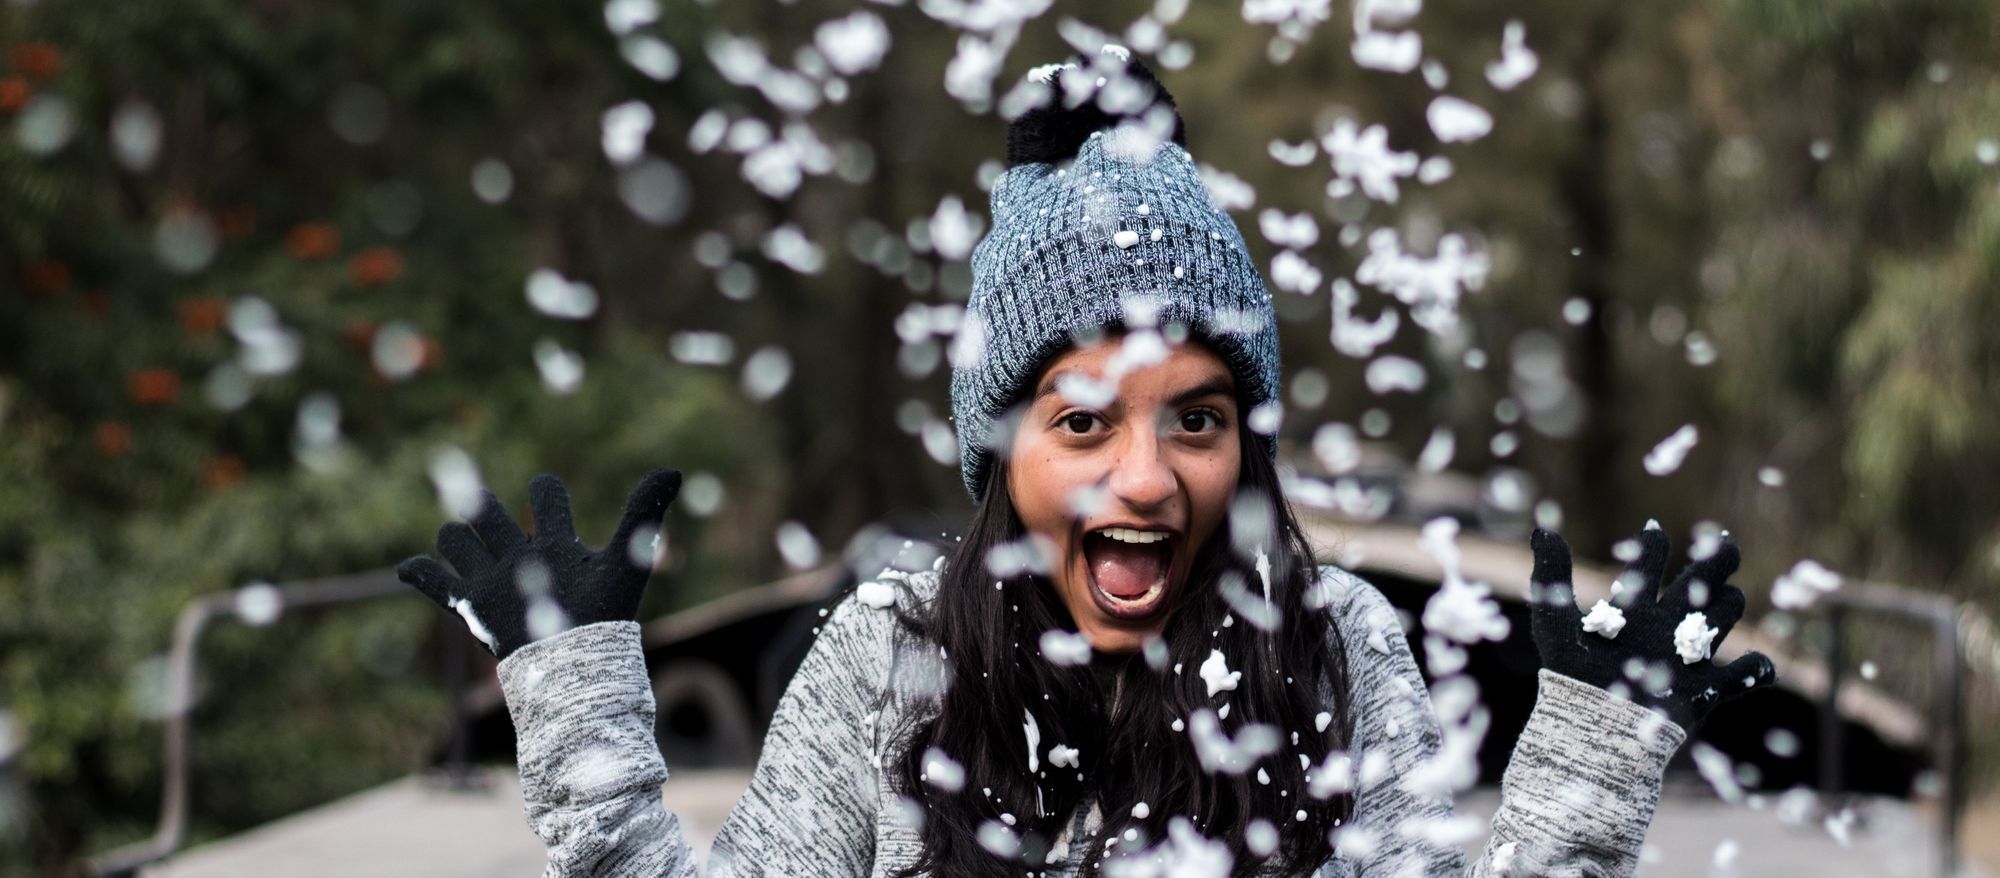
(1128, 535)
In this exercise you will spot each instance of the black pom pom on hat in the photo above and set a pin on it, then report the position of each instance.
(1053, 132)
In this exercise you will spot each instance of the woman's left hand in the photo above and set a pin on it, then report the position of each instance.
(1652, 647)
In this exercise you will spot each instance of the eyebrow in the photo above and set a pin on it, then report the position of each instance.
(1219, 386)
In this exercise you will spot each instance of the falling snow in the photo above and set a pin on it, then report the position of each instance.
(1604, 618)
(1692, 638)
(1667, 456)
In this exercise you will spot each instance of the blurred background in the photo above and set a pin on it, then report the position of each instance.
(280, 280)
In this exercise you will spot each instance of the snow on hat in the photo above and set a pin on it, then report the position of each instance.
(1101, 221)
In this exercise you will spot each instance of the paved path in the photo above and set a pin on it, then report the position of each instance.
(415, 827)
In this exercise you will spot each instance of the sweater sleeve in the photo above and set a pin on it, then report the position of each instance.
(813, 799)
(1577, 796)
(590, 768)
(1582, 785)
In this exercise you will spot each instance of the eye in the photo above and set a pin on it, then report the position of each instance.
(1192, 420)
(1079, 422)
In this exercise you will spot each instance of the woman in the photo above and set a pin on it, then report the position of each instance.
(1129, 662)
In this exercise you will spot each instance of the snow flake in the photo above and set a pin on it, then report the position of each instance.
(1803, 585)
(625, 16)
(1388, 52)
(1034, 732)
(1065, 647)
(1456, 120)
(1216, 673)
(879, 595)
(1301, 13)
(942, 771)
(1291, 272)
(1465, 611)
(472, 623)
(1334, 775)
(1226, 191)
(1667, 456)
(1126, 239)
(1297, 231)
(1061, 756)
(1605, 619)
(561, 369)
(1362, 156)
(1693, 637)
(1517, 61)
(556, 296)
(1353, 336)
(1293, 156)
(625, 128)
(1218, 752)
(953, 229)
(998, 840)
(1391, 373)
(854, 44)
(1431, 287)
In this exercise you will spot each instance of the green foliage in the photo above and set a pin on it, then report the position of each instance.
(1804, 183)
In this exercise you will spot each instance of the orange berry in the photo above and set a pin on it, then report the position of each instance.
(14, 93)
(375, 266)
(153, 386)
(221, 471)
(308, 241)
(38, 60)
(112, 438)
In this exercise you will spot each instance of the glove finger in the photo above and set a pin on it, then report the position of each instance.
(1642, 577)
(1724, 610)
(1751, 670)
(497, 529)
(1701, 582)
(1551, 594)
(646, 506)
(429, 577)
(459, 545)
(548, 500)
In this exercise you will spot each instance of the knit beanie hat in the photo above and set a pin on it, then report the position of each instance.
(1101, 222)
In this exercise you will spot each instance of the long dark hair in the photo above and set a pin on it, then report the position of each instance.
(1141, 750)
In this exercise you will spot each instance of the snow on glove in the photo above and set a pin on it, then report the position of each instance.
(1660, 656)
(513, 589)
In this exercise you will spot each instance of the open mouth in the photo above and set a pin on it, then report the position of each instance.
(1128, 570)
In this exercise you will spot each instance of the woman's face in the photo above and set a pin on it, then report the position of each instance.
(1105, 480)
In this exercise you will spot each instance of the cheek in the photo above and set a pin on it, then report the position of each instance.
(1212, 485)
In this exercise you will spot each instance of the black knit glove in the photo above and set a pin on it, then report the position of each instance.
(513, 589)
(1642, 662)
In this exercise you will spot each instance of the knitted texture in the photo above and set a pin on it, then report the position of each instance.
(1578, 794)
(1123, 236)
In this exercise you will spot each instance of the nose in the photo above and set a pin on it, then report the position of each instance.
(1141, 476)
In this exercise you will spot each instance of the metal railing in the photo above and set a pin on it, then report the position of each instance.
(182, 661)
(1944, 618)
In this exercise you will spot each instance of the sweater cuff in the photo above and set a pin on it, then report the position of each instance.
(1585, 775)
(547, 678)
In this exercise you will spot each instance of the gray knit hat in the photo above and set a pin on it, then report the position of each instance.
(1101, 223)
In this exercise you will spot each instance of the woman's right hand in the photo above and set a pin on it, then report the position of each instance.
(513, 589)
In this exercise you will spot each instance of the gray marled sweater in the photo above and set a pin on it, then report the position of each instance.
(1576, 798)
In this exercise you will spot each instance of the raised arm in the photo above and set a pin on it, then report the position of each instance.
(591, 771)
(560, 617)
(583, 709)
(1615, 701)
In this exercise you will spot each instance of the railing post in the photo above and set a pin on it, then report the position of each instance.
(1951, 738)
(457, 768)
(1832, 746)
